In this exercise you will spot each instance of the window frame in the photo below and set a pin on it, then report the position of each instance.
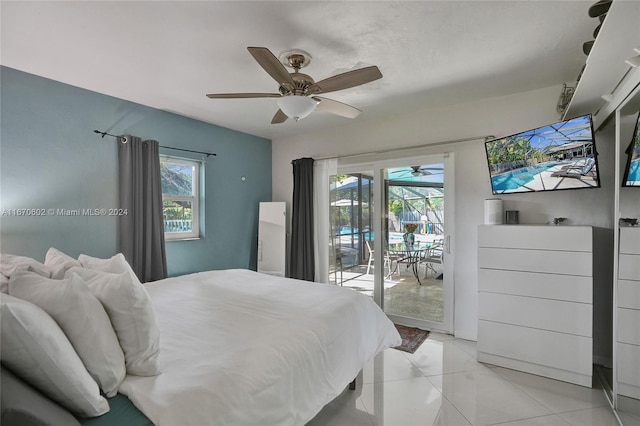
(194, 199)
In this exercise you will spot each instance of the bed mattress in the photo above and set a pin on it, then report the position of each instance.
(242, 348)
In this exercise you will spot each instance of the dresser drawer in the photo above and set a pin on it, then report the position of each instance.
(629, 294)
(630, 240)
(628, 326)
(571, 288)
(569, 238)
(628, 371)
(543, 314)
(552, 262)
(629, 267)
(539, 347)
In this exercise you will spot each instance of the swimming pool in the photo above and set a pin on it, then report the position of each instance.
(634, 173)
(517, 178)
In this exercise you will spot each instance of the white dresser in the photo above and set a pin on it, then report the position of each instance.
(535, 300)
(628, 314)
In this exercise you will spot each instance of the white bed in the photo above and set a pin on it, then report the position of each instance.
(242, 348)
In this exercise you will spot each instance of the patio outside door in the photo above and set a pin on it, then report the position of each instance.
(412, 282)
(416, 242)
(351, 236)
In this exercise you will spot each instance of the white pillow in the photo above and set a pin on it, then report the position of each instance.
(58, 263)
(116, 264)
(10, 264)
(34, 348)
(129, 307)
(83, 320)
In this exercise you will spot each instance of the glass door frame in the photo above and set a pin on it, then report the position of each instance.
(379, 216)
(448, 278)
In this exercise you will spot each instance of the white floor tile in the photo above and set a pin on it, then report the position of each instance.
(389, 365)
(436, 357)
(468, 346)
(485, 398)
(342, 415)
(346, 409)
(552, 420)
(409, 402)
(557, 396)
(442, 384)
(601, 416)
(440, 337)
(629, 419)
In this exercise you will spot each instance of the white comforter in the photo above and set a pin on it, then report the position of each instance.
(242, 348)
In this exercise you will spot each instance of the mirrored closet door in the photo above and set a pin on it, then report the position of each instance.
(626, 344)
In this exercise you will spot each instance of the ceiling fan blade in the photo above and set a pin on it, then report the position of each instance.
(279, 117)
(346, 80)
(335, 107)
(272, 66)
(242, 95)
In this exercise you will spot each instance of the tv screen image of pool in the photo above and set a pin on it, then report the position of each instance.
(631, 175)
(549, 158)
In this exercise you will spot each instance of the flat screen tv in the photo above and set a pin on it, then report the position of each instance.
(549, 158)
(631, 175)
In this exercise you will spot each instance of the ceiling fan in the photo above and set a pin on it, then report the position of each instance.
(421, 171)
(297, 97)
(416, 171)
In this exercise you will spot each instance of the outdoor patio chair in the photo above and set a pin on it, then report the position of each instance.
(433, 256)
(370, 262)
(576, 171)
(387, 259)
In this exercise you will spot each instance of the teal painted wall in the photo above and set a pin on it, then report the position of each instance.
(51, 159)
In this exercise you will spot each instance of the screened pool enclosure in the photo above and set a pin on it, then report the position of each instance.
(410, 200)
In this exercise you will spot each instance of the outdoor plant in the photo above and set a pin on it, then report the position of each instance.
(410, 227)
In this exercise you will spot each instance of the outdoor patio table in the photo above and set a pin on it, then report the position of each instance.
(409, 254)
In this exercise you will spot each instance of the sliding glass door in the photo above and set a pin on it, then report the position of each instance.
(416, 242)
(397, 251)
(351, 236)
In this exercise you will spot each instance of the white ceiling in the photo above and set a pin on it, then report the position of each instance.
(169, 54)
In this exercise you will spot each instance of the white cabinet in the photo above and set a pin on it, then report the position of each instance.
(535, 300)
(628, 314)
(272, 238)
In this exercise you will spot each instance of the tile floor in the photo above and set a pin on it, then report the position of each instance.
(443, 384)
(403, 295)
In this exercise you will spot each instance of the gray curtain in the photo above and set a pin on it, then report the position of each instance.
(302, 254)
(141, 230)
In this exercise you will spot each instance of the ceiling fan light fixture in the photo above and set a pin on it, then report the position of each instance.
(296, 106)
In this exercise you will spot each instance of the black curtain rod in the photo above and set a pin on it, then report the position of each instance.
(165, 147)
